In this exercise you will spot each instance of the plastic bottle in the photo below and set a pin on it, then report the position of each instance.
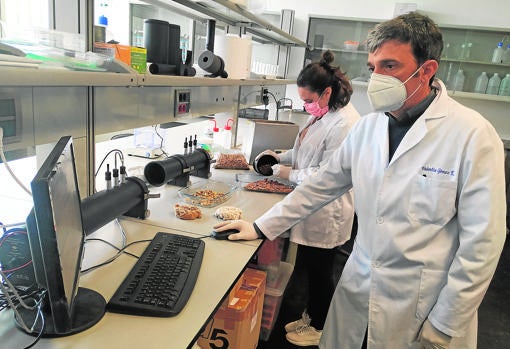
(227, 134)
(498, 53)
(458, 81)
(506, 55)
(216, 136)
(504, 88)
(481, 83)
(493, 86)
(448, 79)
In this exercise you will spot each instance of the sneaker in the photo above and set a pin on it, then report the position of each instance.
(295, 325)
(304, 336)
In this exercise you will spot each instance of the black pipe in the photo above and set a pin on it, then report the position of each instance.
(209, 41)
(176, 169)
(129, 198)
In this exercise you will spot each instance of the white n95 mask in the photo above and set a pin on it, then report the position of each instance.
(387, 93)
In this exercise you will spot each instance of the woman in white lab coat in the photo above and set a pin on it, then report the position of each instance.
(431, 208)
(326, 92)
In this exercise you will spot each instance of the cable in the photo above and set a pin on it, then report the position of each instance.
(7, 234)
(266, 92)
(162, 140)
(111, 259)
(4, 160)
(104, 159)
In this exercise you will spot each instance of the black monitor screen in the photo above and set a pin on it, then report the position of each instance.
(57, 243)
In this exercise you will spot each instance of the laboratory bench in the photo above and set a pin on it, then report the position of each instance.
(223, 263)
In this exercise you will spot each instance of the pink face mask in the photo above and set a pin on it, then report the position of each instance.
(314, 108)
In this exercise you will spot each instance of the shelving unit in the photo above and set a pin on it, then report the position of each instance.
(231, 14)
(331, 32)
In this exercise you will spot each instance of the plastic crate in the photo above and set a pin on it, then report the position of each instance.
(273, 300)
(268, 259)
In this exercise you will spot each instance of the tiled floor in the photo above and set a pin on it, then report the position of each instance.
(494, 313)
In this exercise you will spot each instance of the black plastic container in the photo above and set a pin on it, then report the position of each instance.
(263, 164)
(162, 41)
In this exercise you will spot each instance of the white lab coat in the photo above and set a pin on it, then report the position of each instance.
(431, 226)
(331, 225)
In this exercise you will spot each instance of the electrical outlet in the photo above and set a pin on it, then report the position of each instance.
(182, 102)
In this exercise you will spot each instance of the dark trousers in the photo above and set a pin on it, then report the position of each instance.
(313, 281)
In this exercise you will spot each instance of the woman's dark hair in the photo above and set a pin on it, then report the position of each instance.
(318, 76)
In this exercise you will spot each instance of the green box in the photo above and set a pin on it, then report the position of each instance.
(139, 59)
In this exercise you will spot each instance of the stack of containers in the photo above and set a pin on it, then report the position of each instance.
(269, 259)
(237, 322)
(273, 299)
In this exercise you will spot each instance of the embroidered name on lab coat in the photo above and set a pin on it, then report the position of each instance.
(439, 171)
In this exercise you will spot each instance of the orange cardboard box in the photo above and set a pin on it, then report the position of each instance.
(236, 324)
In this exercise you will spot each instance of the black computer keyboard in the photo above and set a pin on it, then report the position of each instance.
(162, 280)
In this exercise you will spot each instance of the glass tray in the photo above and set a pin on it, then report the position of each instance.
(207, 193)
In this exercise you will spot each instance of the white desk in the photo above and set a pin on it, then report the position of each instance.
(162, 214)
(223, 262)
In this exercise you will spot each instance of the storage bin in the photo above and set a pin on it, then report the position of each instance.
(273, 300)
(236, 324)
(269, 257)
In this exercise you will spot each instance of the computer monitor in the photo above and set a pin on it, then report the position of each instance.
(56, 236)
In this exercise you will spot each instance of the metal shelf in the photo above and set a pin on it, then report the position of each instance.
(231, 14)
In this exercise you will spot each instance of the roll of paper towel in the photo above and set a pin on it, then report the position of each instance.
(236, 52)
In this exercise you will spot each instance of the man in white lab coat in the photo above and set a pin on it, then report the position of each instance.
(428, 179)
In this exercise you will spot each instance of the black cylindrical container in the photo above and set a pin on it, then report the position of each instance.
(160, 172)
(100, 208)
(174, 45)
(263, 164)
(156, 38)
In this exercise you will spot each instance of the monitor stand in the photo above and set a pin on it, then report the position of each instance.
(89, 308)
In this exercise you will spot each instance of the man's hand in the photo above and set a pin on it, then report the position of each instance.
(432, 338)
(246, 229)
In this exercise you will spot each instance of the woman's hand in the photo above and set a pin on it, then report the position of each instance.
(246, 229)
(268, 152)
(281, 171)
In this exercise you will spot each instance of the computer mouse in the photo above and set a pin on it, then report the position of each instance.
(223, 235)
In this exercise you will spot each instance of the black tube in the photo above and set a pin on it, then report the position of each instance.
(163, 69)
(102, 207)
(158, 173)
(213, 64)
(197, 160)
(209, 41)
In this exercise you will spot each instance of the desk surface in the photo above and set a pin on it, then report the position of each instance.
(223, 262)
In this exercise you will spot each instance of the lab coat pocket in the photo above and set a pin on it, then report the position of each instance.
(432, 201)
(431, 283)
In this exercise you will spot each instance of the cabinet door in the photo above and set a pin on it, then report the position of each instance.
(471, 50)
(346, 39)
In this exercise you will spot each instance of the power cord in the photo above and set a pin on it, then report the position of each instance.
(156, 131)
(14, 298)
(4, 160)
(120, 250)
(265, 99)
